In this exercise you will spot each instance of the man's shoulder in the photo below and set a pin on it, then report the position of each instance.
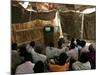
(20, 66)
(42, 55)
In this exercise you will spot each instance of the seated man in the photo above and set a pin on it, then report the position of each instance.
(30, 46)
(82, 64)
(15, 58)
(50, 51)
(36, 53)
(39, 67)
(84, 47)
(92, 56)
(27, 66)
(60, 49)
(73, 52)
(61, 65)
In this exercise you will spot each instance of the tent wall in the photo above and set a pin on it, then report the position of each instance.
(90, 26)
(25, 32)
(20, 15)
(71, 24)
(28, 26)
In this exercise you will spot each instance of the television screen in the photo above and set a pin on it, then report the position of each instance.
(47, 29)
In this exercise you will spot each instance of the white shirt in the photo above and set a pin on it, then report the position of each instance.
(81, 66)
(25, 68)
(28, 48)
(50, 52)
(73, 53)
(59, 51)
(84, 49)
(36, 56)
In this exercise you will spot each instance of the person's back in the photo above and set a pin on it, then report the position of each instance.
(51, 51)
(73, 52)
(30, 46)
(41, 57)
(15, 58)
(39, 67)
(82, 64)
(60, 49)
(61, 65)
(36, 52)
(37, 56)
(84, 47)
(92, 56)
(27, 66)
(58, 68)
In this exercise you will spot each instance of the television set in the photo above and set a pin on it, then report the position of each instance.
(47, 29)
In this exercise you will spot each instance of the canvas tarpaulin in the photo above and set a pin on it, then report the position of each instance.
(20, 15)
(90, 26)
(71, 24)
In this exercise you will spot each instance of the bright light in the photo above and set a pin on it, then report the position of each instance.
(25, 4)
(77, 11)
(31, 10)
(88, 11)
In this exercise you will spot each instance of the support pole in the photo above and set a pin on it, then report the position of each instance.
(59, 24)
(82, 26)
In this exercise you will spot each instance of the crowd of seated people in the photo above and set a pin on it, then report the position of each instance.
(29, 58)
